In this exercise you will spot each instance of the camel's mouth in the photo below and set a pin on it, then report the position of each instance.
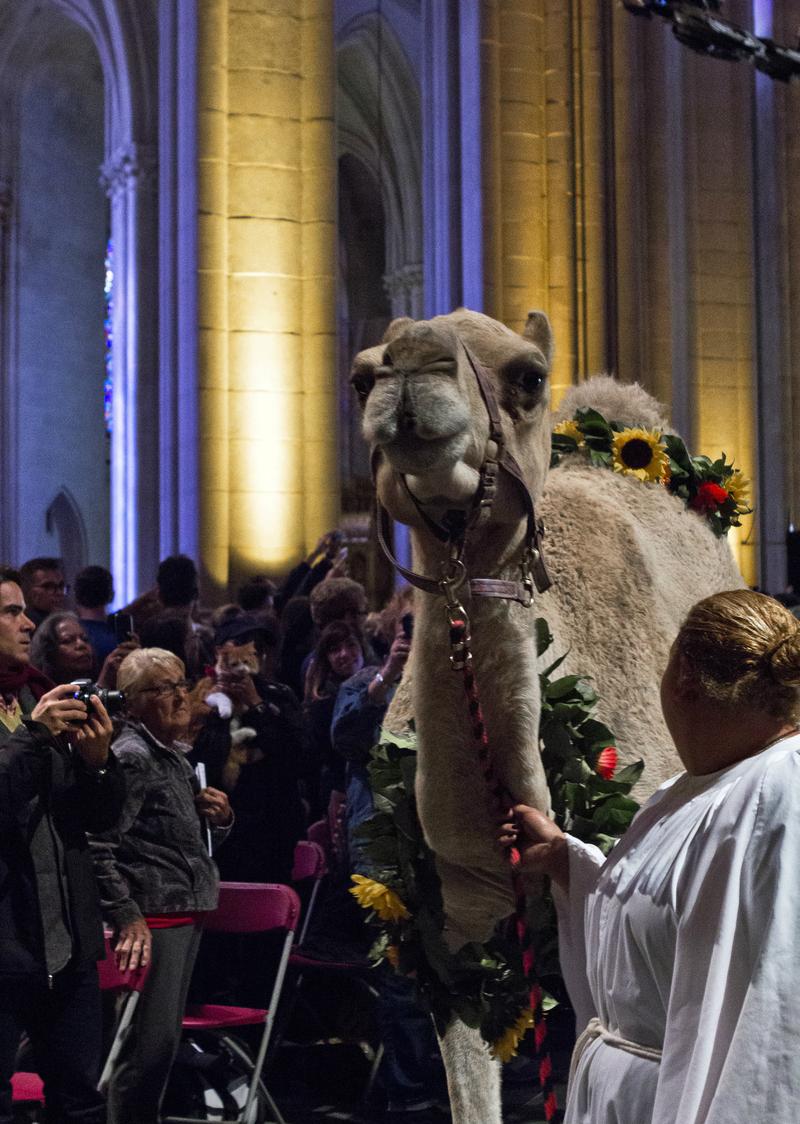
(411, 452)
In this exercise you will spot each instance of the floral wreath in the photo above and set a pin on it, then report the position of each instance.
(484, 985)
(715, 489)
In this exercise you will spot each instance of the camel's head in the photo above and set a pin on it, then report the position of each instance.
(423, 408)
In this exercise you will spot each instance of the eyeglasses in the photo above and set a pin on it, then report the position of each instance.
(164, 690)
(52, 587)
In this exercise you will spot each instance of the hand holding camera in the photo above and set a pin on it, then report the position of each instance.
(93, 737)
(81, 709)
(60, 709)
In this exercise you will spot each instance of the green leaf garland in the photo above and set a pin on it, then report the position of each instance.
(714, 489)
(484, 984)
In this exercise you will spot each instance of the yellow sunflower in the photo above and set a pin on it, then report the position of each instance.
(569, 428)
(374, 895)
(506, 1046)
(640, 453)
(739, 489)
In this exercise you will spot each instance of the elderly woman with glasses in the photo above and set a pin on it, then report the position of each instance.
(156, 876)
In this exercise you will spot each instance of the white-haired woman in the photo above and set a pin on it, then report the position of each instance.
(680, 949)
(155, 874)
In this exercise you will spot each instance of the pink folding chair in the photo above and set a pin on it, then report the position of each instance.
(129, 985)
(311, 862)
(27, 1088)
(247, 907)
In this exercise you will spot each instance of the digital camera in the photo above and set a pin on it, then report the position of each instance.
(113, 701)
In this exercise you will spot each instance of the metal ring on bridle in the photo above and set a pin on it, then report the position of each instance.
(454, 574)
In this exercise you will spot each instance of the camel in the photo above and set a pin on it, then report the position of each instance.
(626, 561)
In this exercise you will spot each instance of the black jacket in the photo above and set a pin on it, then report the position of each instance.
(41, 776)
(266, 800)
(154, 860)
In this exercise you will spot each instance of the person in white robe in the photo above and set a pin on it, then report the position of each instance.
(681, 950)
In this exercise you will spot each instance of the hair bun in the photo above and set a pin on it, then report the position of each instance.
(784, 659)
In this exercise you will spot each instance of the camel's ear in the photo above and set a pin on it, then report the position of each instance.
(537, 329)
(396, 327)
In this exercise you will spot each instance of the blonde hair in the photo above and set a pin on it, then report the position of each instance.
(141, 664)
(743, 648)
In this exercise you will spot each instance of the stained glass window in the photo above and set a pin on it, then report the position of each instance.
(108, 336)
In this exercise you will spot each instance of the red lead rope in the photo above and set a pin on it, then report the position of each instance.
(462, 661)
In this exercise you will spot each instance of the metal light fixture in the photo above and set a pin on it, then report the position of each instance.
(701, 27)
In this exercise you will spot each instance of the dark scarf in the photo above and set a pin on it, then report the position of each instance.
(12, 680)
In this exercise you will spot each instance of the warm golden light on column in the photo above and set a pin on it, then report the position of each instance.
(280, 470)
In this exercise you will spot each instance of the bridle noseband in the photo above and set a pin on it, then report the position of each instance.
(457, 527)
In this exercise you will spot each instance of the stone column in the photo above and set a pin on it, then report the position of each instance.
(405, 292)
(7, 435)
(269, 475)
(318, 269)
(129, 178)
(212, 294)
(544, 175)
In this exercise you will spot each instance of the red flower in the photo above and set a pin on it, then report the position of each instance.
(709, 497)
(607, 762)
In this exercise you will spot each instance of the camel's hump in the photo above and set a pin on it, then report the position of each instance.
(626, 403)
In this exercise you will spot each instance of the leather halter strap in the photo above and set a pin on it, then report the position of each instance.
(496, 457)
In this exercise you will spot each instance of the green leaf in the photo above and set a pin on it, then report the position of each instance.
(593, 424)
(599, 459)
(562, 687)
(629, 774)
(545, 675)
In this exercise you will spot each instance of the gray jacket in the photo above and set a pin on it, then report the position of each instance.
(155, 859)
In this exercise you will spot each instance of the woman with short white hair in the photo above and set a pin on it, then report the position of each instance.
(155, 874)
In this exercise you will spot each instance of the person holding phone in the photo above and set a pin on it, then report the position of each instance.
(58, 780)
(94, 592)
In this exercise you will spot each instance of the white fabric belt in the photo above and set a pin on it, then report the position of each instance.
(595, 1029)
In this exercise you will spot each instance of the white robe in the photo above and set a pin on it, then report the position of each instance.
(687, 939)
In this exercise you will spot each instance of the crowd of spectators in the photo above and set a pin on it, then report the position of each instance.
(239, 723)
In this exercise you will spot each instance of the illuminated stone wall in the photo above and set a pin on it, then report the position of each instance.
(619, 197)
(543, 150)
(269, 480)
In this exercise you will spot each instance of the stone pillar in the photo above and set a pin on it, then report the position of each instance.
(129, 178)
(545, 168)
(7, 435)
(269, 478)
(318, 264)
(405, 291)
(212, 294)
(720, 282)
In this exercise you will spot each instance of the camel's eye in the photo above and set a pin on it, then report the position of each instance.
(524, 382)
(362, 383)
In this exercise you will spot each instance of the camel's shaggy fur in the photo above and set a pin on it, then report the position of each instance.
(626, 403)
(627, 561)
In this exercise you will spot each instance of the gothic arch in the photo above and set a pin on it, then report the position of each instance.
(125, 37)
(378, 122)
(64, 520)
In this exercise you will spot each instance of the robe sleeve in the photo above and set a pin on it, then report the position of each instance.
(584, 864)
(732, 1042)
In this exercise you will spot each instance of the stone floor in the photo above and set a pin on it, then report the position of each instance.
(315, 1085)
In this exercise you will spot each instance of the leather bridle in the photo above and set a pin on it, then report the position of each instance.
(457, 526)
